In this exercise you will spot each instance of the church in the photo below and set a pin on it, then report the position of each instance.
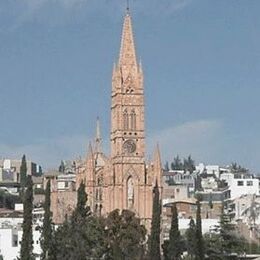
(123, 179)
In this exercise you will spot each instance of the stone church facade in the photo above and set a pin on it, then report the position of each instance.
(123, 180)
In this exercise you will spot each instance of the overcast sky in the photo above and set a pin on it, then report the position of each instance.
(201, 61)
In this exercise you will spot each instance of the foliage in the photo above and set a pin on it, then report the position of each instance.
(27, 240)
(47, 232)
(170, 182)
(191, 239)
(125, 236)
(23, 172)
(226, 243)
(166, 167)
(213, 246)
(39, 191)
(154, 239)
(82, 211)
(188, 164)
(82, 236)
(251, 248)
(62, 167)
(236, 168)
(175, 244)
(177, 163)
(231, 242)
(199, 254)
(80, 241)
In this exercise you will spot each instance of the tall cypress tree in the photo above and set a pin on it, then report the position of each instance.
(23, 172)
(231, 242)
(154, 241)
(82, 210)
(26, 252)
(82, 236)
(47, 234)
(200, 252)
(175, 247)
(191, 238)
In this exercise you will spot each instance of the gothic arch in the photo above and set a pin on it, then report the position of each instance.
(125, 120)
(131, 173)
(133, 120)
(130, 192)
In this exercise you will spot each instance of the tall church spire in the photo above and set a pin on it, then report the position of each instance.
(98, 139)
(127, 58)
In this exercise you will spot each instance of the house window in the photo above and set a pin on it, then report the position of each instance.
(240, 183)
(15, 241)
(249, 183)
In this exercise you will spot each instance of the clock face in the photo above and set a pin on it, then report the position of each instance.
(129, 146)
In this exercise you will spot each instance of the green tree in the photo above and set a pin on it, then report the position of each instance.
(236, 168)
(213, 246)
(231, 242)
(175, 244)
(23, 172)
(225, 243)
(191, 239)
(82, 236)
(200, 252)
(62, 167)
(47, 232)
(82, 211)
(26, 252)
(177, 163)
(189, 164)
(154, 239)
(125, 236)
(166, 167)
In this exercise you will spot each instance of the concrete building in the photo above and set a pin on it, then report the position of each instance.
(174, 177)
(240, 186)
(11, 232)
(10, 173)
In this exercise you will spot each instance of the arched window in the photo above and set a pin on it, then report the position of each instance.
(125, 120)
(114, 177)
(96, 194)
(130, 193)
(133, 120)
(100, 193)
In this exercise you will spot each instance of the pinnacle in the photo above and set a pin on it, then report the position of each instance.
(127, 57)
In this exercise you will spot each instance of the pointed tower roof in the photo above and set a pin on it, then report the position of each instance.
(157, 165)
(157, 156)
(98, 139)
(127, 57)
(90, 152)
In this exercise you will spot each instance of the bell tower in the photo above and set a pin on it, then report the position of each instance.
(127, 125)
(127, 110)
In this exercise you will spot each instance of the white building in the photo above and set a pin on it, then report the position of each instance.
(215, 170)
(240, 186)
(207, 226)
(11, 237)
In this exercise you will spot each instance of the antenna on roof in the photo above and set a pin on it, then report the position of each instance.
(127, 6)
